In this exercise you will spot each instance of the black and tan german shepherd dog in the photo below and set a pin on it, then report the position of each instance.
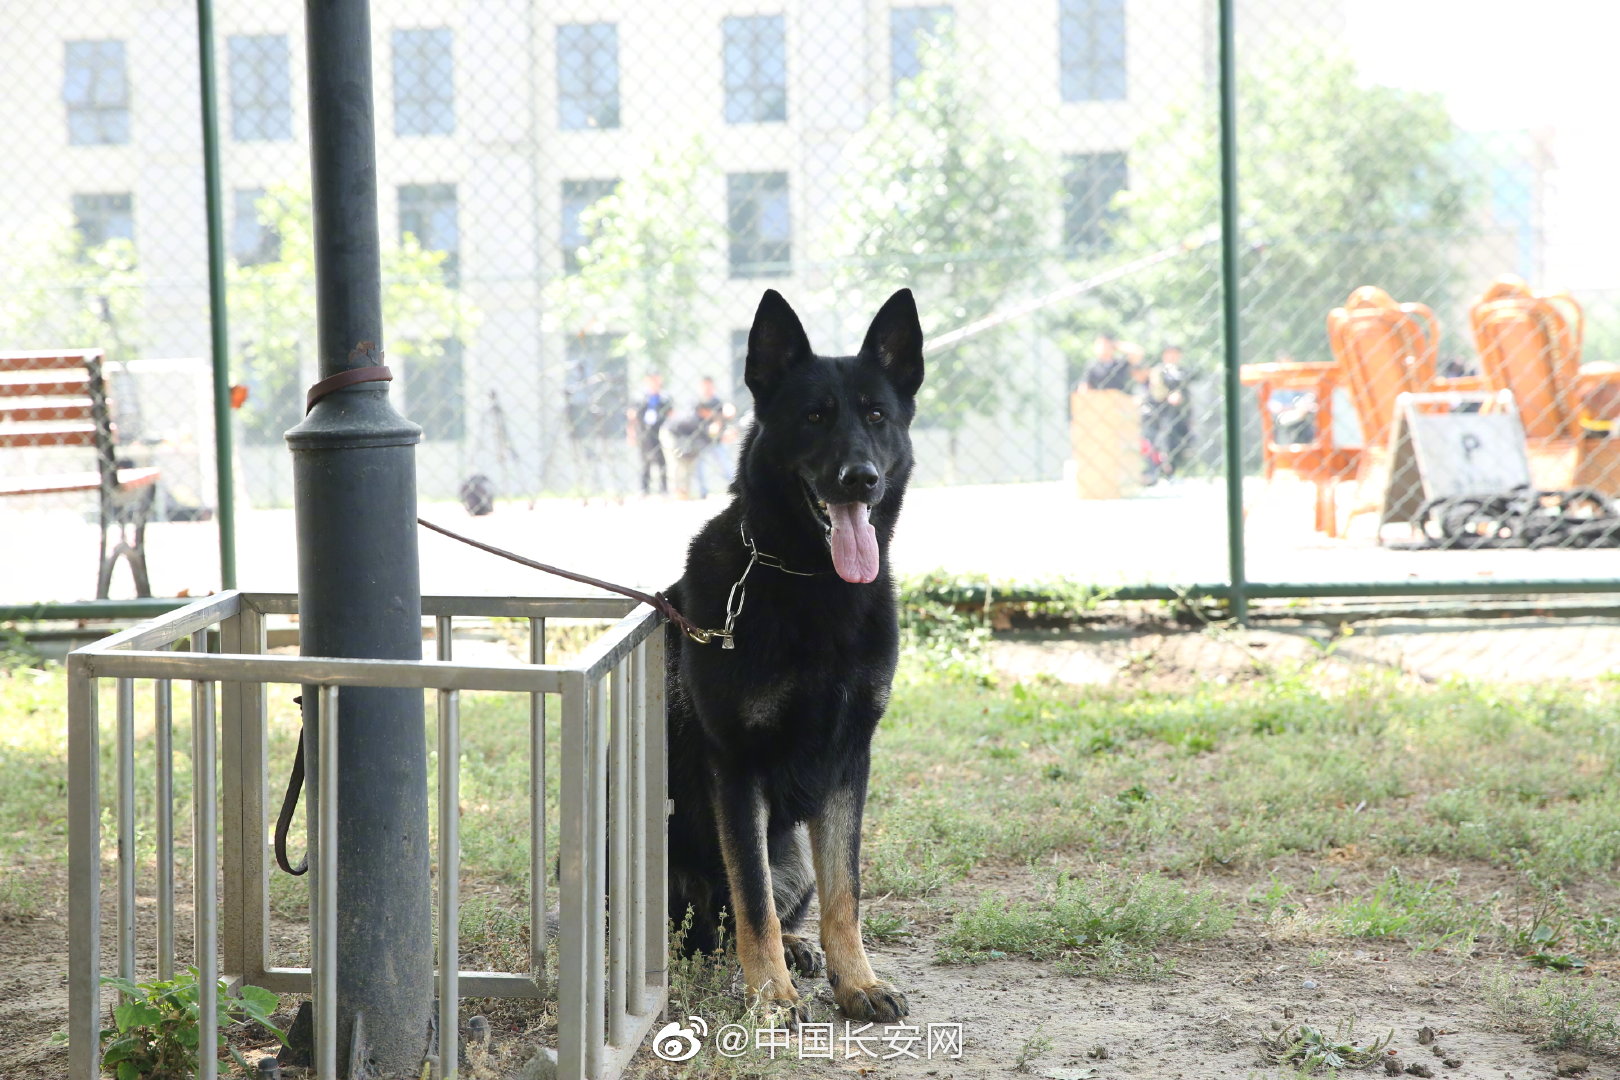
(770, 738)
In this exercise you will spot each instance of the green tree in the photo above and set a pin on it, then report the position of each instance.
(62, 294)
(272, 308)
(652, 247)
(1342, 184)
(942, 197)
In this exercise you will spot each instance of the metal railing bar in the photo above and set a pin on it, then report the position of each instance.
(231, 818)
(325, 863)
(204, 873)
(449, 862)
(636, 963)
(171, 627)
(471, 983)
(487, 607)
(618, 852)
(656, 781)
(592, 1029)
(616, 1059)
(243, 744)
(163, 727)
(317, 670)
(84, 873)
(443, 637)
(616, 644)
(538, 930)
(126, 828)
(572, 841)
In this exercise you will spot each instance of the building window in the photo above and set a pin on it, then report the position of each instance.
(755, 55)
(95, 88)
(588, 76)
(909, 29)
(577, 197)
(434, 391)
(252, 241)
(596, 390)
(1090, 182)
(760, 224)
(428, 212)
(261, 87)
(424, 82)
(1091, 49)
(103, 216)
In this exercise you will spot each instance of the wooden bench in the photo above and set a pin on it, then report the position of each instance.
(58, 398)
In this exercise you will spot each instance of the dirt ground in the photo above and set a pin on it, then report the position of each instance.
(1206, 1021)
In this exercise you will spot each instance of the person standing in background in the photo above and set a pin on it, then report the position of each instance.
(717, 417)
(1169, 416)
(1110, 370)
(645, 429)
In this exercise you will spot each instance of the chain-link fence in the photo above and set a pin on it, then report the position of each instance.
(582, 203)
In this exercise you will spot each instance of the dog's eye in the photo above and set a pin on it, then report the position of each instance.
(874, 416)
(813, 416)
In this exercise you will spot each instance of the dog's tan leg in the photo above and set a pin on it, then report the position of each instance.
(835, 839)
(742, 817)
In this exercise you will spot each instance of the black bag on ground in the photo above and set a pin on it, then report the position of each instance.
(1522, 518)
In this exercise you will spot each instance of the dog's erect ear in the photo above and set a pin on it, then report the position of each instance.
(895, 341)
(775, 344)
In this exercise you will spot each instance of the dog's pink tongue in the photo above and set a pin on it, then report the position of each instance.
(854, 542)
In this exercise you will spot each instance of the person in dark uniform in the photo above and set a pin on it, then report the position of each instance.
(1168, 413)
(1111, 370)
(646, 427)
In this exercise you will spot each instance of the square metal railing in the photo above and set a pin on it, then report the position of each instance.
(611, 978)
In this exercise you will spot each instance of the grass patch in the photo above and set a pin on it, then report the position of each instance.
(1559, 1011)
(884, 927)
(1401, 908)
(1078, 916)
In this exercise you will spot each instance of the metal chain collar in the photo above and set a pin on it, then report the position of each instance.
(739, 592)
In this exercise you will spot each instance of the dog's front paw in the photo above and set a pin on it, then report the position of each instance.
(783, 1009)
(803, 955)
(877, 1002)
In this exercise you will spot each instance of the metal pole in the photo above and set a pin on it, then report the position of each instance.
(537, 809)
(163, 723)
(359, 589)
(126, 828)
(220, 346)
(1229, 318)
(323, 977)
(204, 873)
(449, 1024)
(84, 872)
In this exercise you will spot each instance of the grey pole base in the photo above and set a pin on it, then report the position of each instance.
(359, 595)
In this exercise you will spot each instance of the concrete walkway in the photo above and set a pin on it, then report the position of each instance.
(1025, 532)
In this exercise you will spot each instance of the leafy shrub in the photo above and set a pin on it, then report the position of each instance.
(157, 1031)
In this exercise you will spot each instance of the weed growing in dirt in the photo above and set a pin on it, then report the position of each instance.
(1311, 1049)
(1560, 1011)
(1402, 908)
(885, 927)
(157, 1031)
(1038, 1043)
(1079, 916)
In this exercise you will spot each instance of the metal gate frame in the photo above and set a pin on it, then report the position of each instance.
(611, 983)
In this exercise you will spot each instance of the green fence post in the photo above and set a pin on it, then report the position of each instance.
(1239, 597)
(220, 344)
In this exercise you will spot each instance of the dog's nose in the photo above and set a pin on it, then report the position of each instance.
(859, 480)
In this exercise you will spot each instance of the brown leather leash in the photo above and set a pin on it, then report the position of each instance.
(658, 601)
(350, 377)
